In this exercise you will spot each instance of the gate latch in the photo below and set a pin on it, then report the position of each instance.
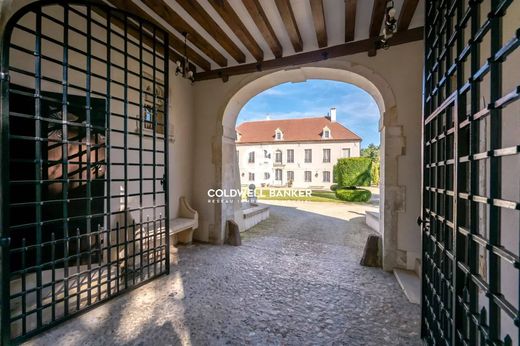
(4, 76)
(163, 182)
(5, 242)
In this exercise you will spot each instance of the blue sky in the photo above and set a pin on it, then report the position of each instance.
(356, 109)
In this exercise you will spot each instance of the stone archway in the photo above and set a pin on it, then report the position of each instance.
(392, 142)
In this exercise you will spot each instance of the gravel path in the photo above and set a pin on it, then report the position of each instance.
(294, 281)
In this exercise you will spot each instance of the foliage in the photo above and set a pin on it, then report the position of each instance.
(353, 171)
(334, 187)
(372, 151)
(375, 173)
(353, 195)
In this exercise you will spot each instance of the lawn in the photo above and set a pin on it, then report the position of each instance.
(316, 196)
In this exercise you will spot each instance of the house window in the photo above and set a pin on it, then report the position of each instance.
(308, 176)
(251, 158)
(308, 155)
(267, 176)
(290, 156)
(326, 134)
(290, 176)
(278, 156)
(251, 176)
(278, 174)
(278, 135)
(326, 177)
(326, 155)
(345, 152)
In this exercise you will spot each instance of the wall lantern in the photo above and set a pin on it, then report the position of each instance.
(390, 24)
(183, 67)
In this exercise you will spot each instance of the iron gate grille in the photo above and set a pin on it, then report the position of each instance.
(84, 150)
(471, 219)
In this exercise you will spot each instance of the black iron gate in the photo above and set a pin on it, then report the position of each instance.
(84, 161)
(471, 184)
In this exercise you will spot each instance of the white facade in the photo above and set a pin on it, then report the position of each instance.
(263, 171)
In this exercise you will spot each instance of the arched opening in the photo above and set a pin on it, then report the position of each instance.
(391, 147)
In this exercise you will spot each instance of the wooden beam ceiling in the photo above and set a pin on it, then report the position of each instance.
(204, 19)
(287, 14)
(350, 19)
(232, 20)
(378, 15)
(350, 48)
(174, 41)
(262, 22)
(318, 17)
(171, 17)
(406, 15)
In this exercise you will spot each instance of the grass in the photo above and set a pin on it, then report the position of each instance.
(316, 196)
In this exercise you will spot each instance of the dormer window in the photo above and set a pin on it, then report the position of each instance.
(326, 133)
(278, 135)
(237, 136)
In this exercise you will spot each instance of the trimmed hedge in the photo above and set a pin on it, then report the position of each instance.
(375, 172)
(353, 171)
(334, 187)
(353, 195)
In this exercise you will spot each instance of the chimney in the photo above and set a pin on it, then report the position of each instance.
(332, 114)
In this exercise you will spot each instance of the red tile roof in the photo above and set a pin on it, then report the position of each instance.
(294, 130)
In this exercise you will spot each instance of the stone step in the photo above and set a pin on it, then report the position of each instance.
(372, 220)
(410, 283)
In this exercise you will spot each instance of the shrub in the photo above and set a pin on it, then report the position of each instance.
(353, 171)
(334, 187)
(375, 172)
(353, 195)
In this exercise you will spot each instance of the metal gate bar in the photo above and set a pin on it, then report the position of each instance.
(85, 161)
(470, 216)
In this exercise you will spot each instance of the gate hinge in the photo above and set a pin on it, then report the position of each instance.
(4, 76)
(5, 242)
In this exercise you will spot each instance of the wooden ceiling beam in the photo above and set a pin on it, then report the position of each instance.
(175, 20)
(174, 41)
(350, 19)
(406, 15)
(350, 48)
(287, 14)
(262, 22)
(318, 17)
(232, 20)
(204, 19)
(378, 15)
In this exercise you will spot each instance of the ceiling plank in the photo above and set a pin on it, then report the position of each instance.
(174, 41)
(262, 22)
(406, 15)
(350, 48)
(378, 15)
(204, 19)
(350, 19)
(287, 14)
(232, 20)
(318, 16)
(175, 20)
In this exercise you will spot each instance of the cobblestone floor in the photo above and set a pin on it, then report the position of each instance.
(294, 281)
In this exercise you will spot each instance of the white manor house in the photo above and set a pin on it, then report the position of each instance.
(297, 153)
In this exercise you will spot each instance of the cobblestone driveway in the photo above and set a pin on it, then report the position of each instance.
(294, 281)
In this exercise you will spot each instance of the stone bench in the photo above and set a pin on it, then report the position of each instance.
(182, 227)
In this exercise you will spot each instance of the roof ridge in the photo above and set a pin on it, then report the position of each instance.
(272, 120)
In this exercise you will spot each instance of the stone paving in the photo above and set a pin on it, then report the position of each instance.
(294, 281)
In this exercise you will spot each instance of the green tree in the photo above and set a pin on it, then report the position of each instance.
(372, 151)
